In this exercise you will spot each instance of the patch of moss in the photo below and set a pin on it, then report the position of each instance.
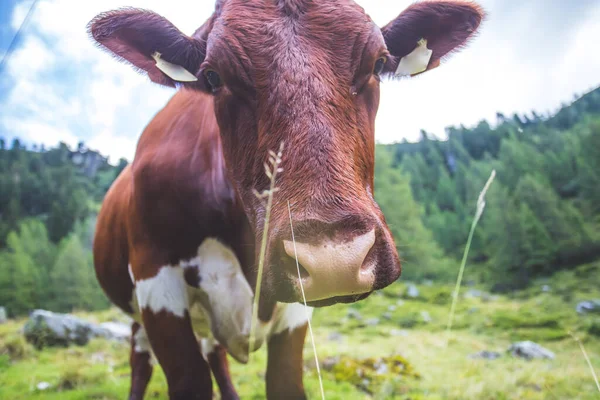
(15, 347)
(371, 373)
(593, 327)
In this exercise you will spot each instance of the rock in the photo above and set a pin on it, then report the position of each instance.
(473, 293)
(372, 322)
(114, 331)
(426, 317)
(330, 362)
(354, 314)
(399, 332)
(45, 328)
(485, 355)
(546, 289)
(412, 292)
(3, 317)
(387, 316)
(588, 307)
(428, 283)
(42, 386)
(392, 308)
(529, 351)
(335, 337)
(399, 303)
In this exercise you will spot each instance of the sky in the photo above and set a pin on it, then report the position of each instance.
(58, 86)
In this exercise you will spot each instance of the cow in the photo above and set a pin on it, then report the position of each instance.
(179, 233)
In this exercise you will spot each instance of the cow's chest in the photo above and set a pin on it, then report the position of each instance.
(212, 290)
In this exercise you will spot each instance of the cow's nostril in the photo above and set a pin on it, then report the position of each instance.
(289, 264)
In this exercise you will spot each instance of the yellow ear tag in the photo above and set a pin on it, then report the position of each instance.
(416, 61)
(173, 71)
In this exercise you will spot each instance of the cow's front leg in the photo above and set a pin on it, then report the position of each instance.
(163, 302)
(285, 364)
(216, 355)
(140, 361)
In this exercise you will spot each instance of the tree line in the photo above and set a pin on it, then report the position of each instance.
(543, 210)
(542, 213)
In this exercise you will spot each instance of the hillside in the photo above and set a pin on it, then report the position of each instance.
(542, 214)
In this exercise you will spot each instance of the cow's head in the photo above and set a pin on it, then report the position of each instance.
(306, 73)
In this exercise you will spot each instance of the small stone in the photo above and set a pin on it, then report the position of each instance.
(400, 303)
(42, 386)
(485, 355)
(392, 308)
(473, 293)
(372, 322)
(530, 350)
(3, 317)
(387, 316)
(330, 362)
(381, 369)
(412, 291)
(399, 332)
(588, 307)
(428, 282)
(354, 314)
(426, 317)
(546, 289)
(335, 337)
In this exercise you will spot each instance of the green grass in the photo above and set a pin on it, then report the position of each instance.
(100, 370)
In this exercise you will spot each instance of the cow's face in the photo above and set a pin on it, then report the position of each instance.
(306, 74)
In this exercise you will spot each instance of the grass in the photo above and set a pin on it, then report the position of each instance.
(100, 370)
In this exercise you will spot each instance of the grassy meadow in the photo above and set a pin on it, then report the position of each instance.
(406, 333)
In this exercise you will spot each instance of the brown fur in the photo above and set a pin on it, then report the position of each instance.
(293, 71)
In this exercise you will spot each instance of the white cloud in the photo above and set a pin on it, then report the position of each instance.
(530, 55)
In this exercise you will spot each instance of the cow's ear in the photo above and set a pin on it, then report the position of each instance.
(428, 31)
(152, 44)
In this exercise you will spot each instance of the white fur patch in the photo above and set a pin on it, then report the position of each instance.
(164, 292)
(208, 346)
(224, 293)
(293, 316)
(142, 344)
(220, 309)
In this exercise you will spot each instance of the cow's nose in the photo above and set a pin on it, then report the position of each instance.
(335, 268)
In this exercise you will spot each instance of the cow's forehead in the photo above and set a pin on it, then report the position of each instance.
(264, 28)
(271, 46)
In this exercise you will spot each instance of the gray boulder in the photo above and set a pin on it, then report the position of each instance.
(3, 317)
(530, 350)
(114, 331)
(588, 307)
(45, 328)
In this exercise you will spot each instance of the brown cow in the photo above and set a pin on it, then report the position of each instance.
(185, 216)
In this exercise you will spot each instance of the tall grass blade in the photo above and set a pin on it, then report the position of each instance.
(478, 213)
(587, 359)
(274, 162)
(312, 337)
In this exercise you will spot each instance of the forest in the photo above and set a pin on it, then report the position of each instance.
(542, 213)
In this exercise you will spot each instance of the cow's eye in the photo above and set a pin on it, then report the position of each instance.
(379, 64)
(213, 79)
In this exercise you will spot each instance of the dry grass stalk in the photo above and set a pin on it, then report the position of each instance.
(312, 337)
(272, 168)
(478, 213)
(587, 359)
